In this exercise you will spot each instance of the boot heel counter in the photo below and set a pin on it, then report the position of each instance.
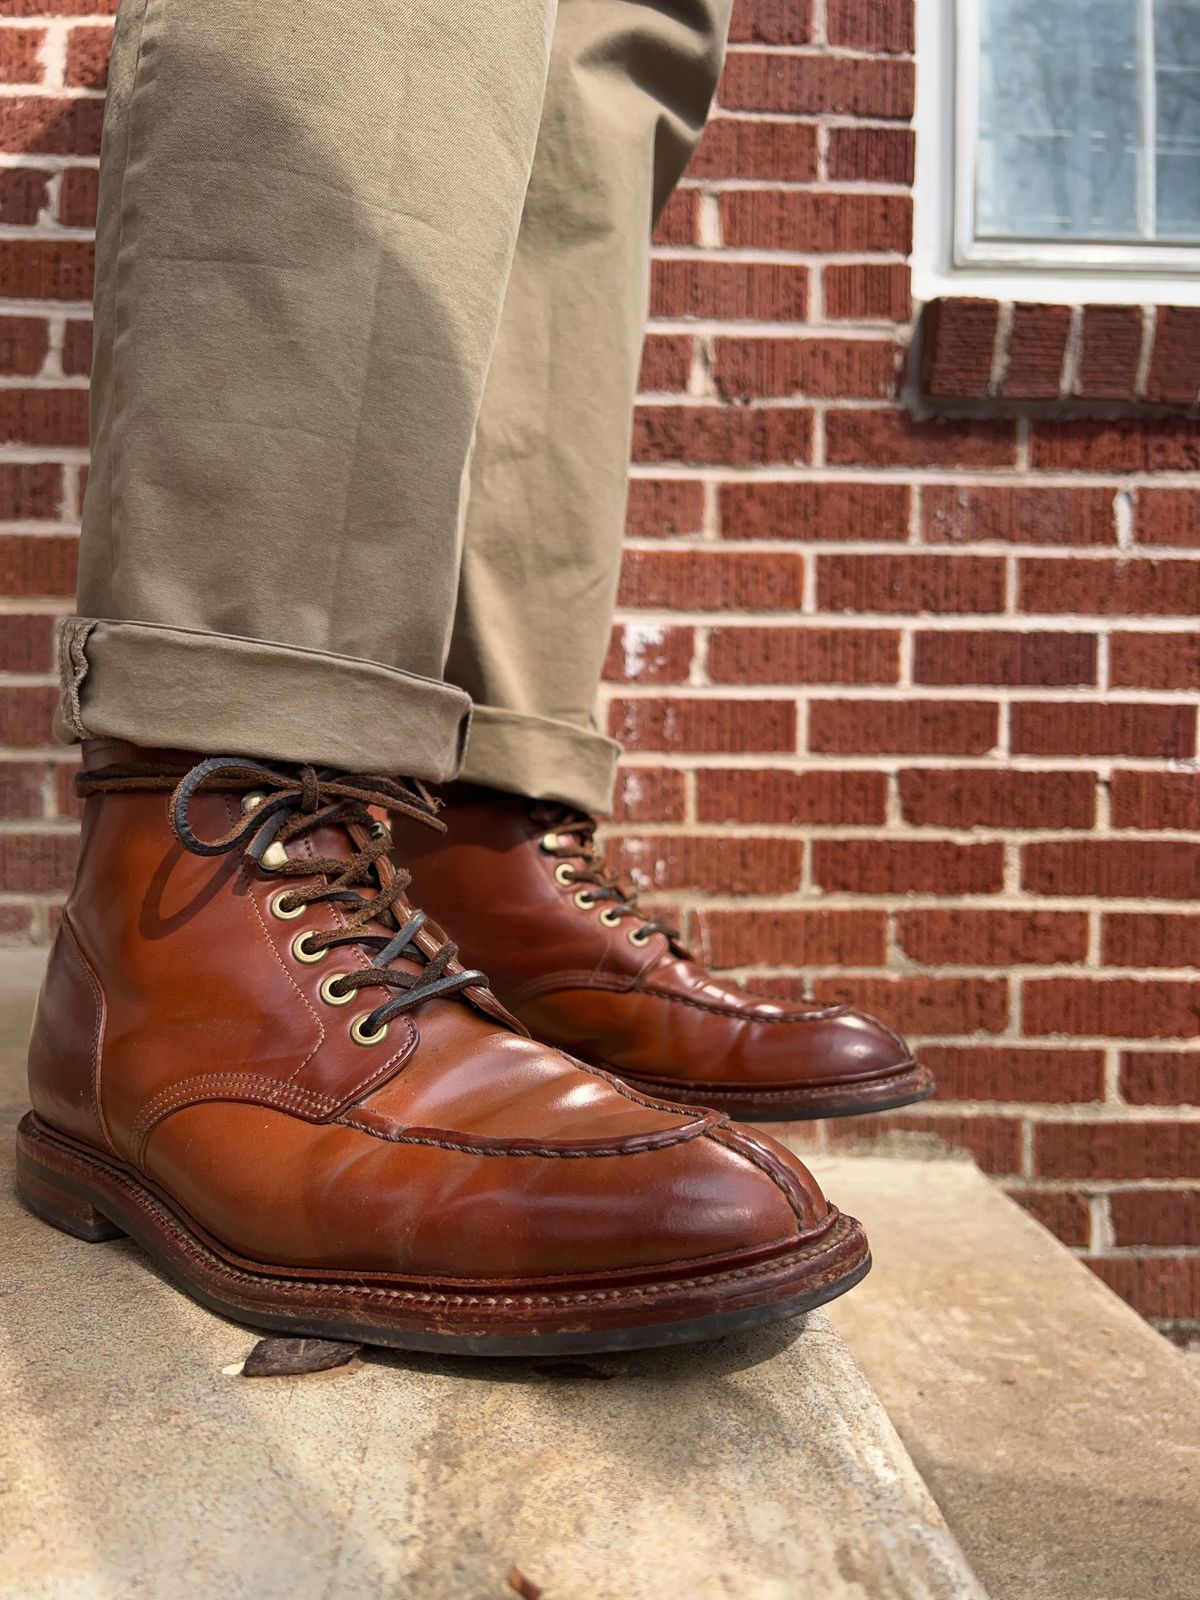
(66, 1042)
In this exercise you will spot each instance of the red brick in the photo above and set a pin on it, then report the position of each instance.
(781, 219)
(871, 155)
(1017, 1074)
(734, 291)
(28, 492)
(892, 438)
(24, 342)
(874, 25)
(26, 643)
(78, 197)
(1091, 728)
(803, 655)
(911, 583)
(1156, 1216)
(903, 727)
(1113, 1008)
(793, 938)
(1127, 444)
(87, 56)
(1122, 869)
(863, 291)
(732, 148)
(22, 195)
(68, 802)
(1112, 347)
(771, 22)
(1155, 660)
(717, 866)
(711, 580)
(23, 790)
(811, 511)
(1167, 516)
(723, 435)
(1037, 343)
(47, 269)
(1154, 1286)
(647, 794)
(747, 368)
(666, 363)
(26, 717)
(663, 508)
(77, 349)
(37, 863)
(16, 925)
(1117, 1149)
(926, 1006)
(649, 654)
(1042, 659)
(971, 513)
(790, 799)
(1065, 1213)
(1151, 939)
(44, 416)
(21, 55)
(909, 866)
(958, 347)
(806, 84)
(1174, 376)
(680, 220)
(57, 8)
(1155, 800)
(1109, 588)
(995, 1142)
(35, 565)
(1161, 1077)
(704, 725)
(48, 125)
(962, 938)
(988, 798)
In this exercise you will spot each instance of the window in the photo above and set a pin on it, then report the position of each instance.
(1060, 137)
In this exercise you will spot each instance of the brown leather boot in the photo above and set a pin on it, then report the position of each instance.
(252, 1056)
(569, 953)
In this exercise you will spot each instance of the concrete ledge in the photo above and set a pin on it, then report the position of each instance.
(1058, 1432)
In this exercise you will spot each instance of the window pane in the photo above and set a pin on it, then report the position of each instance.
(1177, 85)
(1059, 120)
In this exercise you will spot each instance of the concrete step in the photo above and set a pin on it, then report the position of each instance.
(138, 1464)
(1058, 1432)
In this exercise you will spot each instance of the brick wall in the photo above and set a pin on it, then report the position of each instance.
(910, 707)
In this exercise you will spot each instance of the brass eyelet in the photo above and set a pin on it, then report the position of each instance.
(638, 936)
(549, 843)
(277, 909)
(330, 998)
(610, 916)
(564, 874)
(583, 899)
(360, 1036)
(302, 952)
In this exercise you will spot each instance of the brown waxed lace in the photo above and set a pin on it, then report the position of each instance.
(297, 800)
(605, 885)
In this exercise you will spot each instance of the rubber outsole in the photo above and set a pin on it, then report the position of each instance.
(807, 1103)
(95, 1198)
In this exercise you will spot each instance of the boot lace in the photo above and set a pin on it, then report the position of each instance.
(571, 837)
(282, 804)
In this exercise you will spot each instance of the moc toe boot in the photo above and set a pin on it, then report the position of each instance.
(571, 955)
(254, 1057)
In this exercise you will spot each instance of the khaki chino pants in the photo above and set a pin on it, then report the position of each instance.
(370, 298)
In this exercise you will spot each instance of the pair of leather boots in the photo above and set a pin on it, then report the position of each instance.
(254, 1056)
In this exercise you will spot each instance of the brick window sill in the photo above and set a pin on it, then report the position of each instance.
(976, 357)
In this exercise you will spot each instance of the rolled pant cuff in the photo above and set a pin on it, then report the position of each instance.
(538, 757)
(220, 694)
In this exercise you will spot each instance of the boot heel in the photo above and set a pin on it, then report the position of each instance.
(42, 1192)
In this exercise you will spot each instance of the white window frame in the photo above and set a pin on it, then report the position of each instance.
(948, 259)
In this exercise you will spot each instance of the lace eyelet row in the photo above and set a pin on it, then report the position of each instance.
(328, 991)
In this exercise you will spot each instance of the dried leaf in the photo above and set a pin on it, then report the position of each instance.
(520, 1584)
(288, 1358)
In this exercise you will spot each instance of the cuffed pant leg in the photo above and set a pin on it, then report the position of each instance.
(626, 101)
(307, 219)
